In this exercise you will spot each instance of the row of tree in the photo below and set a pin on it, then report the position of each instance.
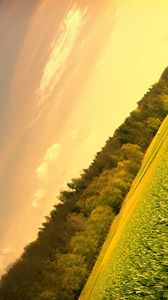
(57, 265)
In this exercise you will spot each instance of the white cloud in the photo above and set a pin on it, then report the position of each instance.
(38, 196)
(51, 155)
(34, 204)
(37, 117)
(42, 171)
(61, 48)
(60, 51)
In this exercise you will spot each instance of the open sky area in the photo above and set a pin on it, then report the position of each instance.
(71, 72)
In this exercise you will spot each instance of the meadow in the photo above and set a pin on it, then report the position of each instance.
(133, 262)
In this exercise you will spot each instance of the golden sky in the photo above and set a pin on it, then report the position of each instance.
(72, 72)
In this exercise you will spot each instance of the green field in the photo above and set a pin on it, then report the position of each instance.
(133, 263)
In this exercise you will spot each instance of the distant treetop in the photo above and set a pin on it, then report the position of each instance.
(164, 75)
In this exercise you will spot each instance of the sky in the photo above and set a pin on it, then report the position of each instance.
(71, 72)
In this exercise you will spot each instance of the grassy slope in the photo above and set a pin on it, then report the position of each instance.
(126, 263)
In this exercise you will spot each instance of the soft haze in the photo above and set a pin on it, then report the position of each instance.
(71, 71)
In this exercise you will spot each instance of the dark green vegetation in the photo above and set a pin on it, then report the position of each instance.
(58, 263)
(133, 263)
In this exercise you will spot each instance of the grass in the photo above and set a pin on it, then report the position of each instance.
(133, 263)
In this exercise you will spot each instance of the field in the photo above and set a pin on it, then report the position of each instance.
(133, 263)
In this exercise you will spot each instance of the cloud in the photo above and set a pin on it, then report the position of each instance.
(38, 196)
(42, 171)
(60, 51)
(61, 48)
(37, 117)
(51, 155)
